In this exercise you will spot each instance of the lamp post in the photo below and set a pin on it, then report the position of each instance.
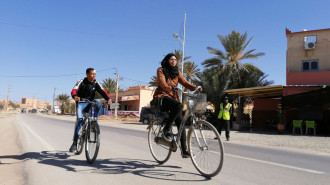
(182, 42)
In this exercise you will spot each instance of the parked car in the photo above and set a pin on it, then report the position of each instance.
(145, 115)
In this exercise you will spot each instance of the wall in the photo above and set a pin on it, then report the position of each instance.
(296, 53)
(145, 98)
(295, 90)
(264, 109)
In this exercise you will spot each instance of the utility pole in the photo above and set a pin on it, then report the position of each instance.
(7, 97)
(116, 110)
(54, 99)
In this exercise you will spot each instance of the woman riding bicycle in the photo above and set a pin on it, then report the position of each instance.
(168, 77)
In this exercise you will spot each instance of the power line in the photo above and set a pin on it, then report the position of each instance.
(47, 76)
(91, 33)
(80, 32)
(134, 80)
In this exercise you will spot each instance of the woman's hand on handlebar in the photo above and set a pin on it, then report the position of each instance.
(200, 88)
(109, 102)
(76, 98)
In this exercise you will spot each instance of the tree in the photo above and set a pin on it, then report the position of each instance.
(63, 98)
(226, 71)
(178, 54)
(153, 81)
(109, 85)
(190, 71)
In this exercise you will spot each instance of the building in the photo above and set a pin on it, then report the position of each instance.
(33, 103)
(307, 85)
(133, 99)
(308, 57)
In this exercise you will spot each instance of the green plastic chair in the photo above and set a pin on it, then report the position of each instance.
(297, 124)
(311, 124)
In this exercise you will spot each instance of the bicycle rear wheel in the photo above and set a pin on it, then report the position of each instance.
(159, 151)
(92, 141)
(206, 151)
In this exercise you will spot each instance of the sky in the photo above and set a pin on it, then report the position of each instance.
(48, 44)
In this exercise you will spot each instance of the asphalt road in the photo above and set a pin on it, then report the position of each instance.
(124, 158)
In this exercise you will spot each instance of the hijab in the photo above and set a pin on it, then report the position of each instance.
(168, 70)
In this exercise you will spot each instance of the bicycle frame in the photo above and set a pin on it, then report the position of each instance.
(187, 114)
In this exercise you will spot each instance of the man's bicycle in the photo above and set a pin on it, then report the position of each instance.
(207, 153)
(89, 133)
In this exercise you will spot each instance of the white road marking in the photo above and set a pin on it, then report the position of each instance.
(270, 163)
(42, 141)
(276, 164)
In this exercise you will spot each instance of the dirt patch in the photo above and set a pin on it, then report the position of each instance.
(11, 169)
(122, 118)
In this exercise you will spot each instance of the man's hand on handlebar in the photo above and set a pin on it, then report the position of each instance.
(109, 102)
(76, 98)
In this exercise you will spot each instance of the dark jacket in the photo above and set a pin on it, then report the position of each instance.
(86, 89)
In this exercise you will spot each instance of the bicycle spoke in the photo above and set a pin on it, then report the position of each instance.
(207, 152)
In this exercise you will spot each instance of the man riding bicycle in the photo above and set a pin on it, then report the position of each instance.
(86, 89)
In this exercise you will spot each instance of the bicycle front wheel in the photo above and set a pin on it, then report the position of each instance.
(206, 148)
(80, 142)
(92, 141)
(159, 150)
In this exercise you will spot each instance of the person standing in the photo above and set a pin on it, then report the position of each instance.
(225, 113)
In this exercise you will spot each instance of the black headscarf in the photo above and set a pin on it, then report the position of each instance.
(168, 70)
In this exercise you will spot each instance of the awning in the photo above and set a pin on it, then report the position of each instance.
(317, 97)
(258, 92)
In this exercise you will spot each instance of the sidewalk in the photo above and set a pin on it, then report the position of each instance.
(287, 142)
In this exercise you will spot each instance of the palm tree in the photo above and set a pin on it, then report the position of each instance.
(109, 85)
(235, 46)
(178, 54)
(190, 71)
(153, 81)
(63, 98)
(226, 71)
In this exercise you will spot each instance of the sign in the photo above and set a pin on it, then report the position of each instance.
(129, 98)
(114, 106)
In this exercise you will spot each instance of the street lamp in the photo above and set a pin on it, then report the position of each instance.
(182, 42)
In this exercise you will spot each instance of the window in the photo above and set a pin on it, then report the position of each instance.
(310, 65)
(314, 66)
(305, 66)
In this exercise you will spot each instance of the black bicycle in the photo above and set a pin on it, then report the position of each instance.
(207, 153)
(89, 133)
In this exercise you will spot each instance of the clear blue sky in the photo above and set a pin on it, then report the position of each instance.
(59, 37)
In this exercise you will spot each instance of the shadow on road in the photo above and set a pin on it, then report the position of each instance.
(144, 168)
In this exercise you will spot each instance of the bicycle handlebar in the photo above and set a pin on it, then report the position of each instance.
(84, 100)
(192, 92)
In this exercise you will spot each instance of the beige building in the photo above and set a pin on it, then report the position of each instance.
(33, 103)
(134, 98)
(308, 57)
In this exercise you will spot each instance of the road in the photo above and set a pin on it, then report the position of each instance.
(124, 158)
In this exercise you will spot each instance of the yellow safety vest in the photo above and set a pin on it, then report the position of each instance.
(224, 112)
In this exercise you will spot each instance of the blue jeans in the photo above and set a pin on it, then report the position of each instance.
(80, 109)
